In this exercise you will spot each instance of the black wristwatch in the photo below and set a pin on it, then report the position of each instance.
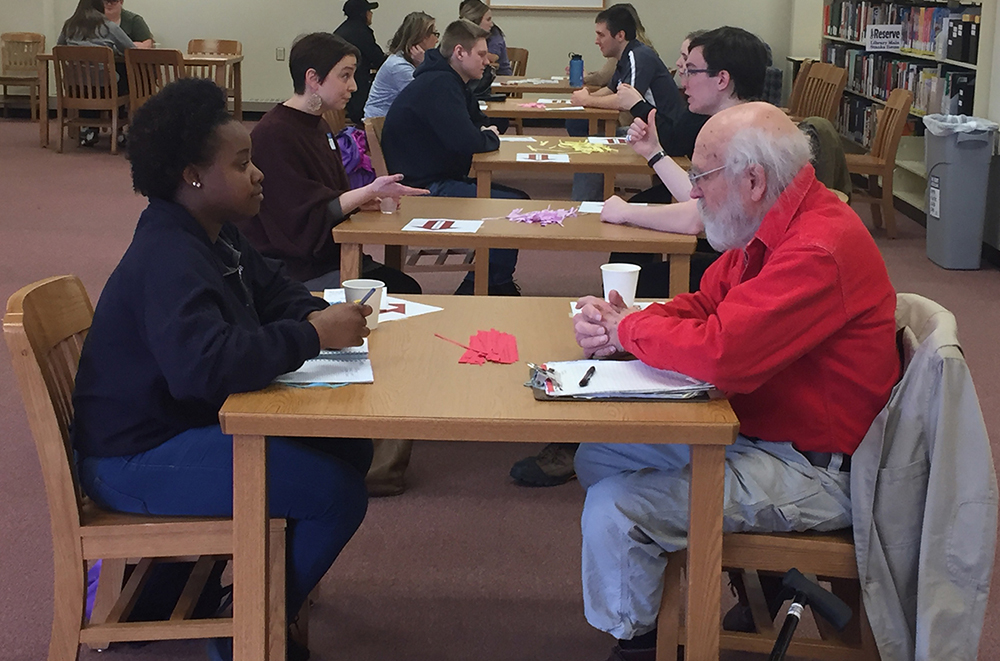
(656, 158)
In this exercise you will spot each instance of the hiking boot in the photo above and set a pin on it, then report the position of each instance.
(740, 617)
(551, 467)
(618, 654)
(467, 288)
(88, 137)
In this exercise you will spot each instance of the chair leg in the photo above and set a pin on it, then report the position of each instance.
(888, 211)
(68, 602)
(876, 209)
(109, 587)
(114, 131)
(61, 128)
(278, 632)
(668, 620)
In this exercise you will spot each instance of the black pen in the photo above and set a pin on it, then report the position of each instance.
(586, 377)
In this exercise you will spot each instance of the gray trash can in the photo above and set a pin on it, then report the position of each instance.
(957, 153)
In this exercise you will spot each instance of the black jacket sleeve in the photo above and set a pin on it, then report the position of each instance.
(677, 134)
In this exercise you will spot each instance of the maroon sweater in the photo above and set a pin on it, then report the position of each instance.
(302, 175)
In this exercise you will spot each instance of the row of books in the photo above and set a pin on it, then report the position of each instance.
(857, 121)
(936, 87)
(930, 30)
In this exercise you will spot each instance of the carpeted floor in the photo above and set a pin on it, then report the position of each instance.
(465, 564)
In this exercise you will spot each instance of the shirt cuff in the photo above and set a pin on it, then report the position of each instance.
(641, 110)
(335, 212)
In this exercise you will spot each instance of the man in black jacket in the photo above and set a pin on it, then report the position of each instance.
(435, 126)
(357, 30)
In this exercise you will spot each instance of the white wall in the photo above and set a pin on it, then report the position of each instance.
(548, 35)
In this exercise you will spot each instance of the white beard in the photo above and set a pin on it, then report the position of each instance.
(730, 227)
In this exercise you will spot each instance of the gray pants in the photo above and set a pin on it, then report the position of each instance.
(636, 511)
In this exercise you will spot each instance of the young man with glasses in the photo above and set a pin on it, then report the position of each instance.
(795, 323)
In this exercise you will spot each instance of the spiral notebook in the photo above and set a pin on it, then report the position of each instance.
(350, 365)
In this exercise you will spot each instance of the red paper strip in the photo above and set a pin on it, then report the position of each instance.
(491, 345)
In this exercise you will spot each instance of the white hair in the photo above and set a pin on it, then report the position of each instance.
(781, 157)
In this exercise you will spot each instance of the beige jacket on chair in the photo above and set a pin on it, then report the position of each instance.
(924, 497)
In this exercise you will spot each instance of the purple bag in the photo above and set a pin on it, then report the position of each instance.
(353, 146)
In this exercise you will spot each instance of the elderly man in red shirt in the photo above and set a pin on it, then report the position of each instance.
(795, 323)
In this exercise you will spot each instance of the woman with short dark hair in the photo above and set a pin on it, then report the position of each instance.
(306, 191)
(191, 315)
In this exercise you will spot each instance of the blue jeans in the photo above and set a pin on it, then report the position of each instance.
(503, 261)
(318, 485)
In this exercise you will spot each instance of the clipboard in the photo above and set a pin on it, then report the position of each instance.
(620, 381)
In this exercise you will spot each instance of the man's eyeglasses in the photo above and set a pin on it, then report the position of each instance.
(687, 72)
(694, 175)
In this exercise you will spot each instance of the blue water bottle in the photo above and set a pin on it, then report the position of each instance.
(575, 70)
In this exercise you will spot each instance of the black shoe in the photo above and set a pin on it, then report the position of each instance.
(88, 137)
(740, 616)
(551, 467)
(619, 654)
(467, 288)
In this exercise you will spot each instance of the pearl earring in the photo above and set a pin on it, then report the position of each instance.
(196, 184)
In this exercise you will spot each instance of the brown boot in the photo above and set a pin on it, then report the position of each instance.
(387, 476)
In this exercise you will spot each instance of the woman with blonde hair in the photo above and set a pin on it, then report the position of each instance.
(416, 35)
(478, 12)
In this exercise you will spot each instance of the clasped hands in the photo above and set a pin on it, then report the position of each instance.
(596, 325)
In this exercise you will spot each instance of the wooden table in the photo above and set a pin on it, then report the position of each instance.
(421, 392)
(222, 61)
(510, 85)
(513, 109)
(585, 232)
(620, 160)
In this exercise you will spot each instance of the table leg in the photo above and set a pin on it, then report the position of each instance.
(680, 274)
(484, 183)
(350, 261)
(250, 552)
(238, 91)
(482, 287)
(610, 128)
(609, 183)
(593, 126)
(394, 256)
(704, 558)
(43, 103)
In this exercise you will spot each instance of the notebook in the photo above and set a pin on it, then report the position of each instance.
(350, 365)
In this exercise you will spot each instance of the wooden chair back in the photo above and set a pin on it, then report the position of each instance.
(86, 80)
(889, 125)
(821, 91)
(336, 120)
(149, 71)
(45, 326)
(373, 132)
(19, 53)
(222, 75)
(518, 61)
(798, 86)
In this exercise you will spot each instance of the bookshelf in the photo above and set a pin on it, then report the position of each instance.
(947, 48)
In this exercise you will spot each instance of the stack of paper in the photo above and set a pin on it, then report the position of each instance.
(620, 379)
(350, 365)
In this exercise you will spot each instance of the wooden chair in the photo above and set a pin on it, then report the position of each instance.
(149, 71)
(518, 61)
(821, 92)
(86, 80)
(336, 120)
(19, 66)
(45, 326)
(222, 75)
(881, 160)
(394, 254)
(798, 85)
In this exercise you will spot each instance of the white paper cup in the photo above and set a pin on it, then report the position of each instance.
(622, 278)
(355, 290)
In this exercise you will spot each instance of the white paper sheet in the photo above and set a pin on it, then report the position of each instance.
(598, 207)
(567, 108)
(392, 308)
(350, 365)
(537, 157)
(564, 102)
(443, 225)
(630, 378)
(594, 140)
(516, 138)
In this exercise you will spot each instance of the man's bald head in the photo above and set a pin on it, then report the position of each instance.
(760, 150)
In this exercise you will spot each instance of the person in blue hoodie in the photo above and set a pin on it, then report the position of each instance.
(191, 315)
(435, 126)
